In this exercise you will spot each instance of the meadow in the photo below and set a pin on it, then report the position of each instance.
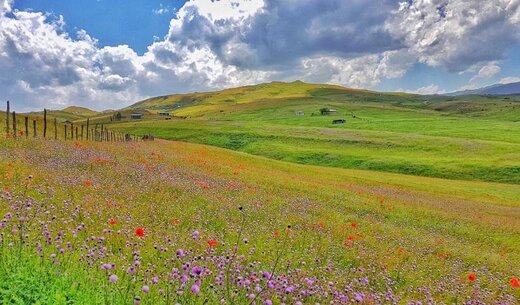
(178, 223)
(465, 138)
(239, 200)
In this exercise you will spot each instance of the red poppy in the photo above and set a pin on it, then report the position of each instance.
(347, 244)
(212, 243)
(276, 234)
(21, 133)
(514, 282)
(176, 221)
(350, 237)
(354, 225)
(139, 232)
(472, 277)
(235, 173)
(321, 226)
(112, 221)
(88, 183)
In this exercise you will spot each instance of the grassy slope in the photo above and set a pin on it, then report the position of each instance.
(417, 231)
(473, 138)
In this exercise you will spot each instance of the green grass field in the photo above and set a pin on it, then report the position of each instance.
(468, 138)
(415, 200)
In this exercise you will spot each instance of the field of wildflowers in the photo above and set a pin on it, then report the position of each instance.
(177, 223)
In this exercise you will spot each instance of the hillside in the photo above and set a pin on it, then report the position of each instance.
(80, 111)
(470, 138)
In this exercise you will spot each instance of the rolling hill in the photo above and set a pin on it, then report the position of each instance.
(467, 137)
(459, 137)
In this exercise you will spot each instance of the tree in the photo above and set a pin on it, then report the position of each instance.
(324, 111)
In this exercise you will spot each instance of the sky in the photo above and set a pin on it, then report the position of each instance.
(108, 54)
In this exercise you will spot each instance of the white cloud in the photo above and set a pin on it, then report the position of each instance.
(510, 79)
(359, 72)
(215, 44)
(456, 34)
(427, 90)
(487, 72)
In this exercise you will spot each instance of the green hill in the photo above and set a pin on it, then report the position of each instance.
(467, 137)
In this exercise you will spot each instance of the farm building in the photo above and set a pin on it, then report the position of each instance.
(136, 116)
(340, 121)
(164, 113)
(299, 113)
(330, 111)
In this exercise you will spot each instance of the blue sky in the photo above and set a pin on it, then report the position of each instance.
(111, 53)
(112, 22)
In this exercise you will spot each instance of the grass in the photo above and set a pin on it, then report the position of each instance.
(469, 138)
(411, 232)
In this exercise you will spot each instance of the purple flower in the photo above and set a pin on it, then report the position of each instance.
(195, 289)
(180, 252)
(145, 289)
(113, 278)
(196, 270)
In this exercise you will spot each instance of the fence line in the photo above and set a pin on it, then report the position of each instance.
(92, 134)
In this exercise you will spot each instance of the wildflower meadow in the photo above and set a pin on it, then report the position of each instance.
(176, 223)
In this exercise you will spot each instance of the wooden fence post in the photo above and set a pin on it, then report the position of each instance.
(71, 131)
(7, 118)
(88, 123)
(34, 128)
(44, 122)
(65, 131)
(55, 129)
(76, 133)
(82, 132)
(14, 123)
(26, 127)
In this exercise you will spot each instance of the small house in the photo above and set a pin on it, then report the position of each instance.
(331, 111)
(340, 121)
(137, 116)
(299, 113)
(164, 113)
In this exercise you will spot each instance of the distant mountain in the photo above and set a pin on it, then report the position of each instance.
(498, 89)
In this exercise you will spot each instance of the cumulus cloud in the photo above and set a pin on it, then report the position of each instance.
(216, 44)
(456, 34)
